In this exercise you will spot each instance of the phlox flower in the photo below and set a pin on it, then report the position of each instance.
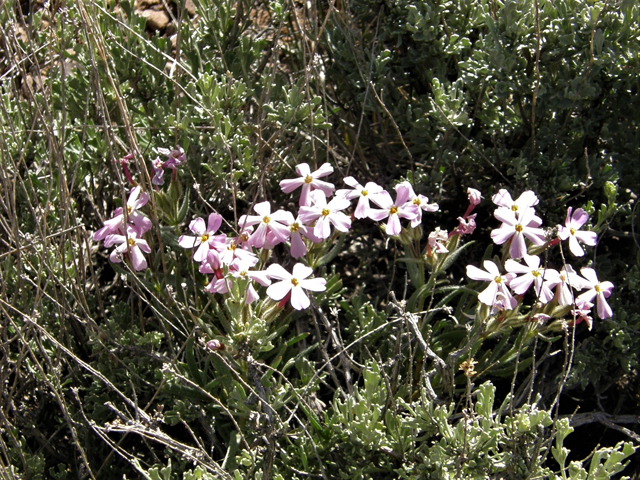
(434, 241)
(401, 208)
(235, 248)
(131, 244)
(475, 197)
(363, 194)
(213, 265)
(309, 181)
(517, 229)
(325, 214)
(571, 228)
(175, 158)
(563, 280)
(241, 270)
(531, 273)
(598, 290)
(205, 238)
(158, 172)
(582, 312)
(267, 222)
(466, 226)
(525, 201)
(422, 203)
(496, 293)
(294, 284)
(115, 225)
(298, 229)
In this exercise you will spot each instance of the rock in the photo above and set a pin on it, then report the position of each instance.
(190, 7)
(156, 21)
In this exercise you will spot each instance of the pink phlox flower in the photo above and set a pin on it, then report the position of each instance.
(298, 229)
(527, 200)
(158, 172)
(435, 240)
(175, 157)
(205, 238)
(475, 197)
(217, 285)
(466, 226)
(112, 226)
(295, 284)
(582, 313)
(308, 180)
(363, 194)
(275, 238)
(325, 214)
(242, 270)
(598, 290)
(563, 280)
(401, 208)
(115, 224)
(131, 244)
(517, 229)
(233, 249)
(496, 293)
(266, 221)
(571, 230)
(422, 203)
(212, 263)
(531, 274)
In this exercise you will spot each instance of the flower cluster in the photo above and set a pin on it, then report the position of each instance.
(240, 260)
(235, 258)
(232, 259)
(524, 272)
(125, 229)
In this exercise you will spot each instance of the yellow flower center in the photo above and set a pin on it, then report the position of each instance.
(498, 279)
(294, 282)
(295, 227)
(597, 288)
(393, 210)
(204, 237)
(514, 207)
(131, 242)
(244, 237)
(364, 193)
(325, 212)
(243, 273)
(518, 227)
(308, 179)
(266, 219)
(416, 201)
(232, 246)
(536, 273)
(572, 231)
(129, 209)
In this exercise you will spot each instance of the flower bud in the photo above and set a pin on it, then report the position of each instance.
(215, 345)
